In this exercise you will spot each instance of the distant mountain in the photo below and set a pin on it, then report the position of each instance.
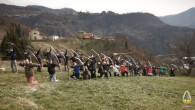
(45, 9)
(30, 10)
(143, 29)
(186, 19)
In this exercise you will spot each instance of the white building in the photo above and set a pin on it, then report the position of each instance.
(35, 35)
(53, 38)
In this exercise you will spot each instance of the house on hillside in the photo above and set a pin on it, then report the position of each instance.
(88, 36)
(84, 35)
(35, 35)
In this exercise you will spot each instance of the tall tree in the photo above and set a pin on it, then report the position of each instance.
(185, 50)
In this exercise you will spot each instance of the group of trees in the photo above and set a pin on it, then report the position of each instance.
(17, 35)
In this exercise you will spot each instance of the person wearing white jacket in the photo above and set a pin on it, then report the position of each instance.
(115, 69)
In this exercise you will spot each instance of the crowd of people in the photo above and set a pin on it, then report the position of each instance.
(84, 67)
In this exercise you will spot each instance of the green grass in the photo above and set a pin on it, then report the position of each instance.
(112, 93)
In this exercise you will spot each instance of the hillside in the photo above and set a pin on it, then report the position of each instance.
(186, 19)
(6, 23)
(121, 44)
(143, 29)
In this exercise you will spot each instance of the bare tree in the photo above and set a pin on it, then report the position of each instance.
(185, 51)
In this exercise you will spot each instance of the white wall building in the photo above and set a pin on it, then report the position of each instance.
(53, 38)
(35, 35)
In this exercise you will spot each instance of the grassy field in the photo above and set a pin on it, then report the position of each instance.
(113, 93)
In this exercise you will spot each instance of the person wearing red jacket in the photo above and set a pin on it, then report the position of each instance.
(150, 71)
(124, 70)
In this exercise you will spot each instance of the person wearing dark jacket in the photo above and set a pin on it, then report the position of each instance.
(144, 73)
(51, 70)
(172, 72)
(59, 56)
(48, 54)
(154, 70)
(12, 54)
(38, 56)
(66, 58)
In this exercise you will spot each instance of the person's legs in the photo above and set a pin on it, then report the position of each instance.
(101, 74)
(134, 74)
(27, 80)
(122, 74)
(15, 66)
(65, 68)
(59, 66)
(94, 72)
(54, 78)
(160, 73)
(126, 73)
(150, 74)
(31, 80)
(72, 75)
(106, 74)
(77, 75)
(39, 68)
(50, 77)
(154, 73)
(115, 74)
(12, 67)
(110, 73)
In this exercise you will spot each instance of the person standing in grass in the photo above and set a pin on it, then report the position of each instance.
(12, 54)
(51, 70)
(59, 56)
(66, 58)
(29, 72)
(93, 65)
(38, 56)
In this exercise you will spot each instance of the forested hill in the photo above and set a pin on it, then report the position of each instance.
(143, 29)
(6, 23)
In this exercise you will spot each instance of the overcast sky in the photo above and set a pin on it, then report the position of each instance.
(156, 7)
